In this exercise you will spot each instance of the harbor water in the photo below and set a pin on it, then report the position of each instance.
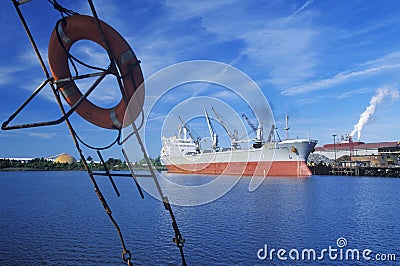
(55, 218)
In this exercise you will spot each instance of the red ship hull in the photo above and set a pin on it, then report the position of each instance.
(276, 168)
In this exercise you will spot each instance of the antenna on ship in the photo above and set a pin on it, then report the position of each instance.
(287, 127)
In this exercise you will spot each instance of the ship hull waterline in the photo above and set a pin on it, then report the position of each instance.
(275, 168)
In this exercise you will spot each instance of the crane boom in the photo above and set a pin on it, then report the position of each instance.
(250, 123)
(233, 136)
(213, 134)
(257, 130)
(194, 139)
(187, 129)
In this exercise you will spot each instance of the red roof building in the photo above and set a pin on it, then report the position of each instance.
(350, 148)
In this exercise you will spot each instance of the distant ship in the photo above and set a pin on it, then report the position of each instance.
(272, 157)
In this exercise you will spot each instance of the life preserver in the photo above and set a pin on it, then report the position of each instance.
(81, 27)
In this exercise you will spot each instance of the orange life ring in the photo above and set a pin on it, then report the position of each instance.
(81, 27)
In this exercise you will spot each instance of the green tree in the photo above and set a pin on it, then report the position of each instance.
(156, 161)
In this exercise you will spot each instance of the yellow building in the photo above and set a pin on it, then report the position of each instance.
(65, 158)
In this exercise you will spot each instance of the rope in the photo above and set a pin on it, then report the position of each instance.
(117, 140)
(126, 254)
(63, 11)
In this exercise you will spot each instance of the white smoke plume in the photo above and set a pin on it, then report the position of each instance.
(373, 103)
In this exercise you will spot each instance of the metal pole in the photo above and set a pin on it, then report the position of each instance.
(334, 146)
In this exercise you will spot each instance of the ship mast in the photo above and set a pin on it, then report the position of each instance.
(214, 136)
(287, 127)
(233, 136)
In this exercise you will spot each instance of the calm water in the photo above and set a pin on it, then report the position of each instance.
(49, 218)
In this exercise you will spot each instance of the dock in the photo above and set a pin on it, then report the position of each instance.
(322, 169)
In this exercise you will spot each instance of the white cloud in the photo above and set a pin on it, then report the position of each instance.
(337, 79)
(283, 51)
(278, 43)
(306, 4)
(42, 135)
(352, 93)
(184, 9)
(8, 73)
(29, 59)
(391, 58)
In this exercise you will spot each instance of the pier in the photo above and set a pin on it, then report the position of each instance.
(348, 158)
(322, 169)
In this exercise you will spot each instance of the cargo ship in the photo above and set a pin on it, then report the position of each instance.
(271, 157)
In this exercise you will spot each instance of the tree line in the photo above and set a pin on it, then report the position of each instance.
(41, 164)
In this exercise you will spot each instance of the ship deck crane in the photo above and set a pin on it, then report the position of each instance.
(250, 123)
(233, 136)
(257, 130)
(194, 139)
(213, 134)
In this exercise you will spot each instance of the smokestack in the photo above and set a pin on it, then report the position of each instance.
(370, 110)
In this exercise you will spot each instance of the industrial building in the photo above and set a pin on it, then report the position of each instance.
(348, 153)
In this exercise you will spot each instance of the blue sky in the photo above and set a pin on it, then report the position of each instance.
(320, 62)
